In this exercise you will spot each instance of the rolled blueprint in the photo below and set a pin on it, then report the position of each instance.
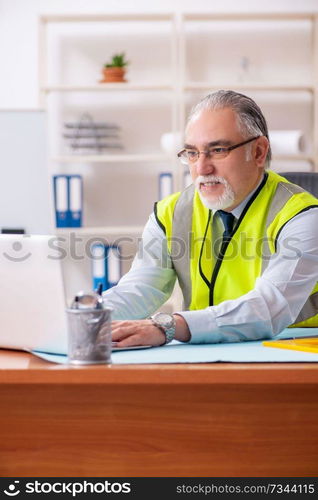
(286, 142)
(171, 142)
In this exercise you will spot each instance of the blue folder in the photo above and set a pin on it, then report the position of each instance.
(61, 200)
(75, 188)
(68, 199)
(106, 265)
(99, 269)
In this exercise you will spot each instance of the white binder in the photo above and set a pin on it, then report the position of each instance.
(99, 274)
(75, 200)
(113, 265)
(61, 200)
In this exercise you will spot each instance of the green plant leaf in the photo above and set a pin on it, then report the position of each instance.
(117, 60)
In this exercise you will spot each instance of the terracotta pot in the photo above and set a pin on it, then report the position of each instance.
(114, 74)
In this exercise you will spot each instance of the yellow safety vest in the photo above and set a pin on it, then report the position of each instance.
(205, 281)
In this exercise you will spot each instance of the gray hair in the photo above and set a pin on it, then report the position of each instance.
(251, 120)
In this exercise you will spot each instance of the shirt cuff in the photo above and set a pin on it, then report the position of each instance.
(202, 326)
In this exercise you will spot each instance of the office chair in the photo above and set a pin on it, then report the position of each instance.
(306, 180)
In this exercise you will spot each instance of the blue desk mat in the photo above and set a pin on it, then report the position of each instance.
(238, 352)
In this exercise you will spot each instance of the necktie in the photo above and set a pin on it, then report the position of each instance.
(228, 221)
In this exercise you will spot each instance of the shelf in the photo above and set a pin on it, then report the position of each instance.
(88, 18)
(106, 87)
(244, 86)
(293, 158)
(112, 158)
(102, 230)
(249, 16)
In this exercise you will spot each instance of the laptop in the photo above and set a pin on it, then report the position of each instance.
(32, 297)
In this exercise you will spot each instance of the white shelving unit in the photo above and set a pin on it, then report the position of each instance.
(140, 164)
(196, 54)
(57, 87)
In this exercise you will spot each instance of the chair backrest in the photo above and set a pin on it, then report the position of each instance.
(306, 180)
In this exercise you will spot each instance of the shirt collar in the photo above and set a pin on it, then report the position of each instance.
(237, 211)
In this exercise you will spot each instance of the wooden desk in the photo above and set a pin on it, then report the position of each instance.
(205, 420)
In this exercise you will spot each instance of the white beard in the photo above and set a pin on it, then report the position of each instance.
(225, 200)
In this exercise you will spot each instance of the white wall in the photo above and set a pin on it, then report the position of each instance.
(19, 32)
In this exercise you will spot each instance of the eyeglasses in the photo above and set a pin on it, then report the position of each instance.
(189, 156)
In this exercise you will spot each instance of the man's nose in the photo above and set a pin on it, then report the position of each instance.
(204, 164)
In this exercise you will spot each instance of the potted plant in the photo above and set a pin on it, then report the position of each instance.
(115, 70)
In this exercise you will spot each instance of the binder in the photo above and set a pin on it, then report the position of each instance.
(75, 200)
(68, 200)
(106, 265)
(165, 185)
(113, 265)
(99, 274)
(61, 200)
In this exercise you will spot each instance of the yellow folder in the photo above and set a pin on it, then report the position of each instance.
(308, 344)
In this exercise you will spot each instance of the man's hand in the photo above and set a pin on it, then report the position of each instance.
(137, 332)
(144, 332)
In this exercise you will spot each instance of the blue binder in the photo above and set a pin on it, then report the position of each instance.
(99, 269)
(68, 199)
(106, 265)
(113, 262)
(165, 185)
(61, 200)
(75, 186)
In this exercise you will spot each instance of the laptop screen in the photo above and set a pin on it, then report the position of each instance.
(32, 312)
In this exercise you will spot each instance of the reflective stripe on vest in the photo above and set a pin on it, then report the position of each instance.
(283, 193)
(181, 229)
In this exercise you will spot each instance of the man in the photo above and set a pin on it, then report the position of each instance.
(243, 242)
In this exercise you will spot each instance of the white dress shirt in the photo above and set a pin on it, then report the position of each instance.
(271, 306)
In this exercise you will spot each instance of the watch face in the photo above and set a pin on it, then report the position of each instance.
(164, 319)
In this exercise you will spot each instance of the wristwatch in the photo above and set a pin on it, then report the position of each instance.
(166, 323)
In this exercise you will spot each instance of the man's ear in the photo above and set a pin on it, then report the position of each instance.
(260, 150)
